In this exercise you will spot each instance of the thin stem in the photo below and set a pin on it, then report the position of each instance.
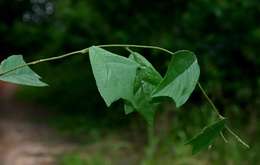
(223, 137)
(129, 50)
(83, 51)
(46, 59)
(237, 137)
(222, 117)
(210, 102)
(136, 46)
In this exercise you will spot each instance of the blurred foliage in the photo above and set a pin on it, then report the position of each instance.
(70, 159)
(224, 34)
(76, 159)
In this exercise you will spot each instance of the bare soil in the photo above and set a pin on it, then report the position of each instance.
(25, 139)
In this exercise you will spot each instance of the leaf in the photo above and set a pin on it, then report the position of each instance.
(147, 78)
(141, 102)
(22, 76)
(146, 71)
(128, 107)
(206, 136)
(180, 79)
(153, 75)
(114, 75)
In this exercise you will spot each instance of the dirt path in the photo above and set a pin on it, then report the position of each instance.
(24, 140)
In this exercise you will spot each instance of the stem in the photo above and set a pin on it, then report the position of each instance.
(151, 146)
(222, 117)
(151, 135)
(46, 59)
(136, 46)
(223, 137)
(83, 51)
(210, 102)
(237, 137)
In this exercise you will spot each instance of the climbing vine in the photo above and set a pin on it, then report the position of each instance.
(134, 80)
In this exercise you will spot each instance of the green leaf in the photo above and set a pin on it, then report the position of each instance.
(152, 75)
(146, 71)
(147, 78)
(128, 108)
(142, 102)
(114, 74)
(206, 136)
(22, 76)
(180, 79)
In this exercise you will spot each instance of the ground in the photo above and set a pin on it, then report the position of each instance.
(24, 138)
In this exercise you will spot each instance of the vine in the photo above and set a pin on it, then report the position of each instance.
(140, 88)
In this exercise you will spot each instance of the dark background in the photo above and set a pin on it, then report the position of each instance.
(225, 35)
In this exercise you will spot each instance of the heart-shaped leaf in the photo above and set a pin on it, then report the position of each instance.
(114, 74)
(206, 136)
(180, 79)
(23, 76)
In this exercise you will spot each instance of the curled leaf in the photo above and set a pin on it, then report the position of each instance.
(180, 79)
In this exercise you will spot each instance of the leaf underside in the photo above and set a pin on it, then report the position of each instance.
(180, 79)
(206, 136)
(21, 76)
(114, 74)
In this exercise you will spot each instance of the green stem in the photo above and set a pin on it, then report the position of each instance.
(151, 135)
(223, 137)
(83, 51)
(237, 137)
(136, 46)
(151, 146)
(222, 117)
(210, 102)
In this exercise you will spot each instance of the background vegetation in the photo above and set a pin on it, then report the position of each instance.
(224, 34)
